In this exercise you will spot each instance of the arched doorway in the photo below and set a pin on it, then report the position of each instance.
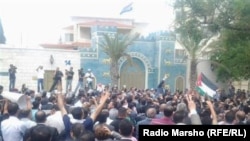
(179, 83)
(133, 75)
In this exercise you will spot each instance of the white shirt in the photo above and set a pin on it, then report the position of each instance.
(28, 123)
(73, 121)
(56, 121)
(89, 76)
(78, 104)
(13, 129)
(40, 73)
(107, 122)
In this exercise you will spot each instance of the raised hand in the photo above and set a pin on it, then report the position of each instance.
(104, 97)
(191, 103)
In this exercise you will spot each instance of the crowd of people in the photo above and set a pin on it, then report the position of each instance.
(57, 77)
(115, 114)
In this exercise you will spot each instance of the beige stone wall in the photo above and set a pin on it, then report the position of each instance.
(27, 60)
(241, 85)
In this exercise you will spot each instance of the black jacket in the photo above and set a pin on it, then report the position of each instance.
(53, 131)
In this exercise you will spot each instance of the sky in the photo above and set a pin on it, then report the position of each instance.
(32, 22)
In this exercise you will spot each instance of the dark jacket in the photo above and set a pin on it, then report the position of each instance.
(53, 131)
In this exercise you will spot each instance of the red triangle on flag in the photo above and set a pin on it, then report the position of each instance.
(198, 82)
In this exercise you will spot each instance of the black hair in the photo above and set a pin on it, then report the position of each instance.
(77, 113)
(40, 133)
(125, 127)
(13, 108)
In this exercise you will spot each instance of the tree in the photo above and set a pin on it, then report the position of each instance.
(116, 47)
(234, 18)
(196, 29)
(229, 18)
(2, 37)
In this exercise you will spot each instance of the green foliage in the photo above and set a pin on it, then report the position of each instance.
(236, 55)
(229, 17)
(234, 19)
(115, 47)
(195, 26)
(194, 23)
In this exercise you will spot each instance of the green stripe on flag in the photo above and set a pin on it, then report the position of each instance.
(205, 87)
(200, 91)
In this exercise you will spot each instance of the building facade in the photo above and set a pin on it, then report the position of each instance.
(27, 61)
(154, 55)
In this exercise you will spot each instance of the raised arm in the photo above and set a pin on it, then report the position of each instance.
(102, 102)
(211, 108)
(29, 104)
(194, 117)
(60, 100)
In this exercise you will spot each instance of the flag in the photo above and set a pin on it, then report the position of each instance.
(205, 87)
(127, 8)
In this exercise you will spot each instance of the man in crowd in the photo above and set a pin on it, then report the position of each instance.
(69, 79)
(12, 77)
(57, 79)
(40, 78)
(89, 78)
(80, 83)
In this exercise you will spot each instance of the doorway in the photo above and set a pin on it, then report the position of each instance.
(48, 79)
(133, 75)
(179, 84)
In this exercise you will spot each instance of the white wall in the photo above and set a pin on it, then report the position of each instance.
(27, 60)
(205, 67)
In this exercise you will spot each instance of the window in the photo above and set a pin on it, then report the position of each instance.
(179, 53)
(69, 37)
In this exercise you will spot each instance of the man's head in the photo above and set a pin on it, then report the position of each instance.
(40, 117)
(102, 117)
(113, 113)
(179, 116)
(77, 130)
(181, 107)
(40, 133)
(162, 107)
(240, 116)
(122, 112)
(126, 128)
(77, 113)
(13, 108)
(24, 114)
(230, 116)
(101, 132)
(168, 111)
(151, 112)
